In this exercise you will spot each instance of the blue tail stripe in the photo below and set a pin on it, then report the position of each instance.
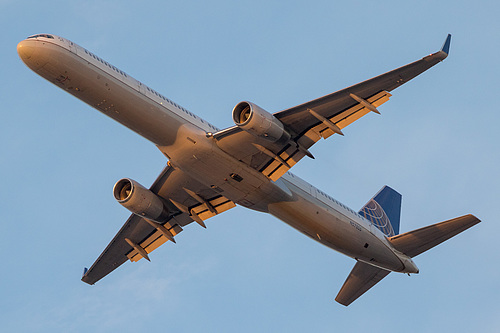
(384, 211)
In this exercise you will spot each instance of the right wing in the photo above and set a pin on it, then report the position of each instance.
(138, 237)
(320, 118)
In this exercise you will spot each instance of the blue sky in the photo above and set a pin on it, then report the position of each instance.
(436, 143)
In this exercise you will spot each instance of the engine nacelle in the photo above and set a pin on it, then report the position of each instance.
(257, 121)
(140, 201)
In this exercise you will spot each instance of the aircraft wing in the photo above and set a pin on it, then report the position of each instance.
(138, 237)
(320, 118)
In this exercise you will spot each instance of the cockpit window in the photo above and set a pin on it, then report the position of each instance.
(41, 35)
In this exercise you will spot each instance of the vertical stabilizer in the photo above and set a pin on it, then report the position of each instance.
(384, 211)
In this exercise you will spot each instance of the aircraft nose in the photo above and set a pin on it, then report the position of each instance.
(25, 49)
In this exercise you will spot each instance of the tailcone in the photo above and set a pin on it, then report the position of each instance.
(409, 266)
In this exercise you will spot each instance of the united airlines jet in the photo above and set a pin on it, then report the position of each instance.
(210, 171)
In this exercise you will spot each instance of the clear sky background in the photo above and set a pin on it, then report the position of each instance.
(436, 142)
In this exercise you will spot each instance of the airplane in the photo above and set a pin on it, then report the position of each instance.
(210, 170)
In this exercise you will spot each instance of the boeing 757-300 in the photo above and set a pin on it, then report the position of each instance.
(210, 171)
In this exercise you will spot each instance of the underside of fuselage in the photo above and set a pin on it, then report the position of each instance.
(189, 148)
(250, 171)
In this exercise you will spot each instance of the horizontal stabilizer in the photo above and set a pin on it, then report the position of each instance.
(415, 242)
(359, 281)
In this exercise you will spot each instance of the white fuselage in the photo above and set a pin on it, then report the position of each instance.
(187, 142)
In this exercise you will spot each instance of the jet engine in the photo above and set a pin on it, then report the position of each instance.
(140, 201)
(257, 121)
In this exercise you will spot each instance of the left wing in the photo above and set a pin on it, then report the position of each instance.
(319, 118)
(187, 198)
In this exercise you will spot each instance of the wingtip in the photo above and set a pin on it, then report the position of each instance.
(446, 45)
(85, 278)
(342, 302)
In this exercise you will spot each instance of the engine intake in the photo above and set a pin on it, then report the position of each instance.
(140, 201)
(257, 121)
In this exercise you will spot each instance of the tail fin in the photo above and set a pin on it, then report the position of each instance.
(364, 276)
(384, 211)
(415, 242)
